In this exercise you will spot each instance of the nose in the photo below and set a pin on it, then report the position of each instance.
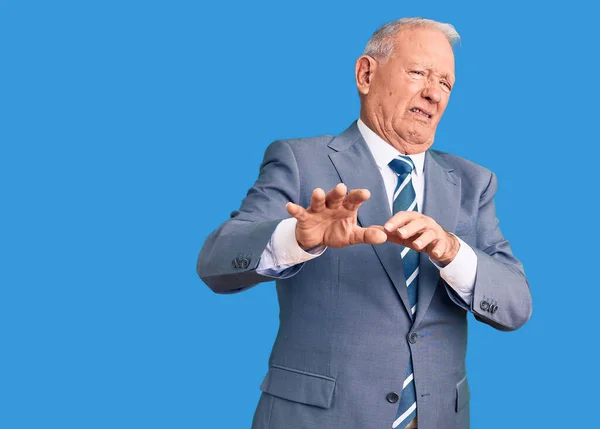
(432, 92)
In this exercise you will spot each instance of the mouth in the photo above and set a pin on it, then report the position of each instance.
(421, 112)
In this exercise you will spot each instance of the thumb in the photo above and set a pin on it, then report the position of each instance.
(369, 235)
(296, 211)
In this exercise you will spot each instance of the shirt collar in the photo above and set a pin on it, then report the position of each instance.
(384, 152)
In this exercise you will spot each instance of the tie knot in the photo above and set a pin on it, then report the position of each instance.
(402, 165)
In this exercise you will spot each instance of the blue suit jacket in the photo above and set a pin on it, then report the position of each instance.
(345, 332)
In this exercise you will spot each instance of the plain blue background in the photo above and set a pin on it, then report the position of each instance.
(129, 131)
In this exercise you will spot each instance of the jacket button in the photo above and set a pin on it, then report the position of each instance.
(485, 306)
(392, 397)
(413, 337)
(493, 308)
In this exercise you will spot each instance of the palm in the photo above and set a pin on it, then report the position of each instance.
(331, 220)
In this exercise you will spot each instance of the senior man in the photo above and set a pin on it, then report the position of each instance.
(376, 276)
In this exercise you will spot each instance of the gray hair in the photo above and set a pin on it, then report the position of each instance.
(381, 44)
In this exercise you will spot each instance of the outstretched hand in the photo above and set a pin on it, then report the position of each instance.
(331, 220)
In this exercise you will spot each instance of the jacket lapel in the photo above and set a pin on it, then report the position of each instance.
(441, 202)
(355, 165)
(357, 168)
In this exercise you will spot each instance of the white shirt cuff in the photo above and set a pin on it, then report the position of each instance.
(283, 250)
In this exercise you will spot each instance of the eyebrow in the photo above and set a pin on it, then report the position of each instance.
(448, 76)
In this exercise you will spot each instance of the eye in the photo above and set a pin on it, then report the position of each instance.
(417, 72)
(447, 85)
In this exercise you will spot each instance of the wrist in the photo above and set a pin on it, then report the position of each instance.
(302, 246)
(306, 246)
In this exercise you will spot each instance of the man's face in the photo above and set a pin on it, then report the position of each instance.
(408, 93)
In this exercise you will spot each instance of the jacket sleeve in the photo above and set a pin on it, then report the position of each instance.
(230, 255)
(501, 296)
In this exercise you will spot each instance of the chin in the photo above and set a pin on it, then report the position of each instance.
(420, 138)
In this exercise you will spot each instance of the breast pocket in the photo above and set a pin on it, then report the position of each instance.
(299, 386)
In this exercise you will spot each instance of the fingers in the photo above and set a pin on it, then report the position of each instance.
(335, 197)
(438, 248)
(400, 219)
(317, 200)
(423, 240)
(420, 232)
(338, 197)
(355, 198)
(413, 227)
(417, 231)
(333, 200)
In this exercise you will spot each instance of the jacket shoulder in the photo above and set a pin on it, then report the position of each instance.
(309, 144)
(462, 166)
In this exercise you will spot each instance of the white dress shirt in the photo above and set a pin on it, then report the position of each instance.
(283, 251)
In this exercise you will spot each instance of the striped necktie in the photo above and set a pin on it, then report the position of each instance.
(405, 199)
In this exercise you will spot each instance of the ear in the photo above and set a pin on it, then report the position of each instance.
(364, 71)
